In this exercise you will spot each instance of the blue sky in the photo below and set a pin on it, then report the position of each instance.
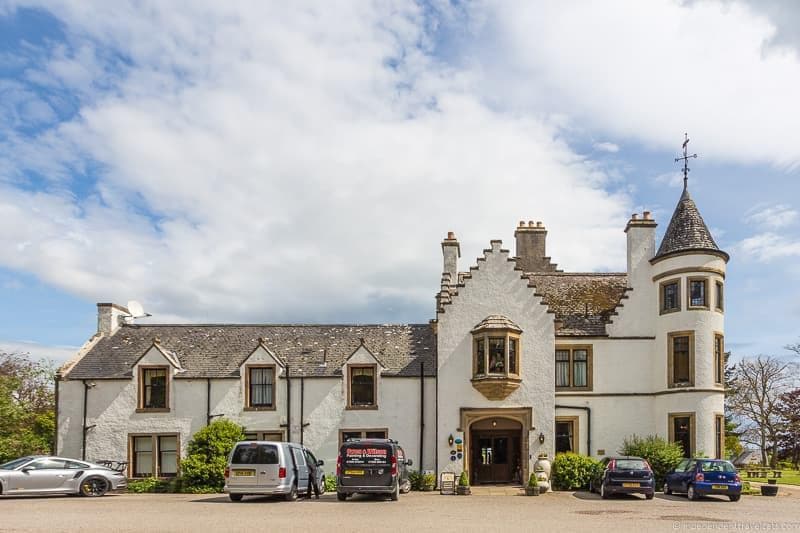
(256, 163)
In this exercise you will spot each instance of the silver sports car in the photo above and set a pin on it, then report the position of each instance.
(37, 474)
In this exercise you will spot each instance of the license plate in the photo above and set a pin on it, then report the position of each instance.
(719, 487)
(631, 485)
(244, 473)
(353, 472)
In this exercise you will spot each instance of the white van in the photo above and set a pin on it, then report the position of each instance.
(270, 468)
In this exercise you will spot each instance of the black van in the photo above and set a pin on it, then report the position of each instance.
(372, 466)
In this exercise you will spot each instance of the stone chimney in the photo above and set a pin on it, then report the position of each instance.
(641, 234)
(451, 251)
(531, 247)
(109, 317)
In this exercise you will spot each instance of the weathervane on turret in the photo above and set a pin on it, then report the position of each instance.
(685, 160)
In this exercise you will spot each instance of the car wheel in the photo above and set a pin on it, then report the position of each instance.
(94, 487)
(667, 490)
(603, 493)
(735, 497)
(235, 497)
(691, 493)
(341, 496)
(406, 488)
(649, 495)
(321, 486)
(292, 496)
(396, 493)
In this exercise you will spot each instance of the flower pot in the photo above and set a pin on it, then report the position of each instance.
(532, 491)
(769, 490)
(462, 490)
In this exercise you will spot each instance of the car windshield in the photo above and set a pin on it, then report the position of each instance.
(630, 464)
(716, 466)
(11, 465)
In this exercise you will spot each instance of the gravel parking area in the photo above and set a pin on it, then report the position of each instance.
(563, 511)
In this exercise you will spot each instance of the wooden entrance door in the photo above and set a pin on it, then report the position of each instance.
(492, 457)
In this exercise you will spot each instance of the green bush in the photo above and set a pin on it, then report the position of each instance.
(203, 469)
(463, 479)
(415, 478)
(153, 484)
(571, 471)
(532, 481)
(663, 456)
(330, 483)
(428, 481)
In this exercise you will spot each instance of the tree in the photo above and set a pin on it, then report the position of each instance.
(27, 406)
(733, 445)
(789, 433)
(755, 388)
(203, 469)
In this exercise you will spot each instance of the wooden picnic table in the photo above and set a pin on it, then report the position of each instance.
(763, 472)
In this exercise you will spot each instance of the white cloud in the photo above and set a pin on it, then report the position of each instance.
(58, 354)
(766, 247)
(672, 179)
(649, 71)
(772, 216)
(293, 163)
(606, 147)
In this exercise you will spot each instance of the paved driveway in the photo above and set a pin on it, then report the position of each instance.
(414, 512)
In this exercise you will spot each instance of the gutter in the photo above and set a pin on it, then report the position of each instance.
(421, 412)
(54, 447)
(588, 423)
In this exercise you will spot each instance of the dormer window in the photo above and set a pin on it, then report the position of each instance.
(496, 357)
(153, 388)
(362, 387)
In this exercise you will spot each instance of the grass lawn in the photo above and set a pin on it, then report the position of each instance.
(788, 477)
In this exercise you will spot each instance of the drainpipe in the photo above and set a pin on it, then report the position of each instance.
(421, 412)
(208, 401)
(436, 425)
(85, 427)
(588, 423)
(302, 401)
(288, 406)
(54, 449)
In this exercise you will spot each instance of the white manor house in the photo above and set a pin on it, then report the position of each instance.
(521, 359)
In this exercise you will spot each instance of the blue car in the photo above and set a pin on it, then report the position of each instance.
(623, 475)
(700, 477)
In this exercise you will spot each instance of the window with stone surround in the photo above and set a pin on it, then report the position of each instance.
(496, 365)
(682, 431)
(574, 367)
(362, 387)
(720, 304)
(153, 388)
(680, 357)
(155, 455)
(698, 293)
(719, 359)
(670, 296)
(259, 387)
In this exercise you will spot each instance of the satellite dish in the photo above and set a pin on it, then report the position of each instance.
(135, 309)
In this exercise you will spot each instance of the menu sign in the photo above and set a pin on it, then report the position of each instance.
(366, 456)
(447, 483)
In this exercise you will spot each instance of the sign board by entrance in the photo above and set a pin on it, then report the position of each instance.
(447, 483)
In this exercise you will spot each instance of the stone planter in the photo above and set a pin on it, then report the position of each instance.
(532, 491)
(769, 490)
(543, 464)
(463, 490)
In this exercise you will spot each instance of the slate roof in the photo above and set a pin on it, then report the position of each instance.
(218, 350)
(582, 302)
(687, 231)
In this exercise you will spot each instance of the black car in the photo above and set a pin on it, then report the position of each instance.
(372, 466)
(624, 475)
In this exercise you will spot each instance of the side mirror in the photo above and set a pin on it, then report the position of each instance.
(26, 470)
(409, 462)
(320, 462)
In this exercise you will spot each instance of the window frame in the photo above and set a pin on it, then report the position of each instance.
(671, 383)
(362, 431)
(719, 296)
(155, 452)
(719, 358)
(706, 298)
(719, 437)
(374, 404)
(261, 434)
(692, 431)
(142, 370)
(662, 299)
(507, 335)
(574, 421)
(572, 348)
(247, 399)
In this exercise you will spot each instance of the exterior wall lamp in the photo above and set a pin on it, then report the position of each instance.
(450, 440)
(541, 438)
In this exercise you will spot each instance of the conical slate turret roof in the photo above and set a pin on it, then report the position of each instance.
(687, 231)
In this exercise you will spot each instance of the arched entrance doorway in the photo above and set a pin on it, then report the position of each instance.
(496, 444)
(496, 451)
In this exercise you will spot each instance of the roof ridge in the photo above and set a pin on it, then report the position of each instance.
(261, 325)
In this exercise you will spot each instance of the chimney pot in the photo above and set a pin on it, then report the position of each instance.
(635, 216)
(647, 215)
(530, 224)
(451, 235)
(539, 224)
(521, 223)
